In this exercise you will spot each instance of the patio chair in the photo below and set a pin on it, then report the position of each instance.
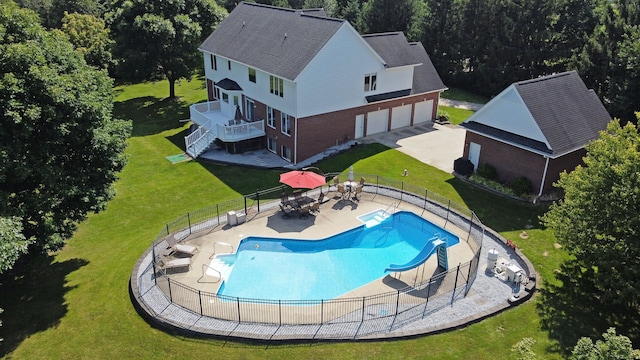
(362, 181)
(358, 192)
(304, 212)
(342, 191)
(167, 264)
(315, 207)
(336, 182)
(285, 210)
(176, 247)
(284, 199)
(321, 199)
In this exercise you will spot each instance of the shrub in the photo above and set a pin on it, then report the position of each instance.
(487, 171)
(521, 186)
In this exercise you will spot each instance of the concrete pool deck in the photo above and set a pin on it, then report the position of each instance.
(488, 293)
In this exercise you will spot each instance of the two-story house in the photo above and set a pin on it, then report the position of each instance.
(298, 82)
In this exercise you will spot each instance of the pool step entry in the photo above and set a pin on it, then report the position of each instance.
(222, 267)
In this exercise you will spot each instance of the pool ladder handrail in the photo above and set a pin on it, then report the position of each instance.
(394, 205)
(204, 273)
(222, 244)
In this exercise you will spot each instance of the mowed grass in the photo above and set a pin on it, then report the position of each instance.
(75, 304)
(463, 95)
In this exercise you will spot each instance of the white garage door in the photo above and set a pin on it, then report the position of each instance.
(423, 112)
(401, 116)
(377, 121)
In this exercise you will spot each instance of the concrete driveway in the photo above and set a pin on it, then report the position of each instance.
(433, 144)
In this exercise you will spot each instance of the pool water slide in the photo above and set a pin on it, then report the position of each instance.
(435, 245)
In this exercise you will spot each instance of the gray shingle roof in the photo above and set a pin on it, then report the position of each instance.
(275, 40)
(568, 114)
(393, 48)
(425, 76)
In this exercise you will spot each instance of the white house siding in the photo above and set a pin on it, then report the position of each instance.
(259, 91)
(508, 112)
(423, 112)
(377, 121)
(334, 79)
(400, 116)
(395, 79)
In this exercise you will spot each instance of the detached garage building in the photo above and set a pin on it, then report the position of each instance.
(536, 129)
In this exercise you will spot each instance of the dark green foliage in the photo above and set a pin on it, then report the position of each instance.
(90, 38)
(521, 186)
(386, 15)
(597, 223)
(60, 148)
(159, 39)
(487, 171)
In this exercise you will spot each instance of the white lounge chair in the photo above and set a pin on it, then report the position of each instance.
(166, 263)
(175, 246)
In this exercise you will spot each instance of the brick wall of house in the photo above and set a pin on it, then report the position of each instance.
(567, 162)
(317, 133)
(511, 162)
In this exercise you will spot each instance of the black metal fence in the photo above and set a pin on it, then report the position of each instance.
(373, 313)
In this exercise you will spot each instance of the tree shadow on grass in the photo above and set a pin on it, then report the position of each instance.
(497, 212)
(33, 298)
(151, 115)
(575, 308)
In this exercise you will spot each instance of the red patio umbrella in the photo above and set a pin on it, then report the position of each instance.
(300, 179)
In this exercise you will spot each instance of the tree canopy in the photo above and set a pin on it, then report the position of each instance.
(90, 37)
(598, 223)
(613, 347)
(159, 39)
(60, 148)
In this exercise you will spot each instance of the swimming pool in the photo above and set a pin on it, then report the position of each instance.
(287, 269)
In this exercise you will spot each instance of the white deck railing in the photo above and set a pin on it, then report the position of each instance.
(212, 125)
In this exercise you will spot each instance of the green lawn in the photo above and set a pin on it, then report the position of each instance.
(462, 95)
(75, 303)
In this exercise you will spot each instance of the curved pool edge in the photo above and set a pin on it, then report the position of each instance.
(151, 303)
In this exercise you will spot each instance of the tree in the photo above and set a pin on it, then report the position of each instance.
(597, 222)
(12, 242)
(624, 89)
(350, 11)
(60, 148)
(90, 38)
(159, 39)
(614, 347)
(386, 15)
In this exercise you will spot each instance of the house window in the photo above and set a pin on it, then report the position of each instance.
(370, 82)
(271, 145)
(271, 117)
(252, 75)
(286, 153)
(236, 101)
(214, 62)
(225, 97)
(285, 123)
(276, 86)
(229, 64)
(216, 93)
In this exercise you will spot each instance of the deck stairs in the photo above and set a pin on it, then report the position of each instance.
(199, 141)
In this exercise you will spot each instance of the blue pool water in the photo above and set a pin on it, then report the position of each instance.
(282, 269)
